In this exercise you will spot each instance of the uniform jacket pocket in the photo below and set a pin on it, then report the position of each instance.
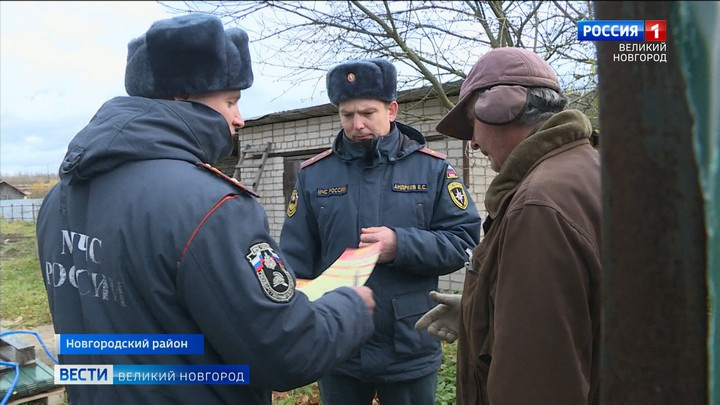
(408, 309)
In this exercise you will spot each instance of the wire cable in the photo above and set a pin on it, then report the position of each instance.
(11, 388)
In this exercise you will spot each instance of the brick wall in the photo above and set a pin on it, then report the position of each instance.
(300, 132)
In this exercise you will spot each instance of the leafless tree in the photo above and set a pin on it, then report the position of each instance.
(433, 43)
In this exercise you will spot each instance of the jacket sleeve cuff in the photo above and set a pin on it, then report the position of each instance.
(366, 317)
(401, 239)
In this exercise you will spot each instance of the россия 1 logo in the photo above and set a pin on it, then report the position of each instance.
(622, 30)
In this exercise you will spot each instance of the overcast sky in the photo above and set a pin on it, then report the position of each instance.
(59, 61)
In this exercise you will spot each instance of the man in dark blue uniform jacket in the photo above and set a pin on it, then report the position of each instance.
(380, 183)
(143, 236)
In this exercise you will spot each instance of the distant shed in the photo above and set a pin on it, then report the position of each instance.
(10, 192)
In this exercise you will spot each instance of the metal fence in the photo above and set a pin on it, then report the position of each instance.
(20, 210)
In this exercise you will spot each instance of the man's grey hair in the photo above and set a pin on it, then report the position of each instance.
(542, 104)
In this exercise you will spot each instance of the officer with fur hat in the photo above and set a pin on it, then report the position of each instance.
(135, 239)
(380, 183)
(528, 320)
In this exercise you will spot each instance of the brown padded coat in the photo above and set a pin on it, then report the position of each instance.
(530, 305)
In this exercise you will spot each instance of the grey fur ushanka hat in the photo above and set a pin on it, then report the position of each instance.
(185, 55)
(366, 78)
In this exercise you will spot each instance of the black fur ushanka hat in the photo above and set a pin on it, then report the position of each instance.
(185, 55)
(366, 78)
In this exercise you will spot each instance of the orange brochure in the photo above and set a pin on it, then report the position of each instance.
(352, 268)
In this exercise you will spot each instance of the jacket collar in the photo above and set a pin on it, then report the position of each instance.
(400, 142)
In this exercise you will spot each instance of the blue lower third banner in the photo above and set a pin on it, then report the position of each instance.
(130, 343)
(114, 374)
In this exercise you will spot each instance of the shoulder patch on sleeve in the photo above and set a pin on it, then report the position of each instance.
(457, 194)
(227, 178)
(292, 205)
(316, 158)
(433, 153)
(276, 282)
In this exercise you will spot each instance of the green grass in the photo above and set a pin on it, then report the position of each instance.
(445, 394)
(23, 302)
(307, 395)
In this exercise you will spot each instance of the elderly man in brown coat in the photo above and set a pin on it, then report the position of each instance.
(527, 322)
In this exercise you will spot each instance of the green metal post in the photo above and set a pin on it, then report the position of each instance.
(697, 30)
(654, 322)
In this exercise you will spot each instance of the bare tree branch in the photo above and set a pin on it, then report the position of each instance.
(504, 34)
(479, 13)
(409, 52)
(434, 42)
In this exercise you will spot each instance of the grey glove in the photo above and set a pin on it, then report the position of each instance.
(442, 321)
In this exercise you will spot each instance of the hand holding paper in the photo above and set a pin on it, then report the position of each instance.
(352, 268)
(383, 234)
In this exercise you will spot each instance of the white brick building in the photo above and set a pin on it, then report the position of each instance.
(300, 134)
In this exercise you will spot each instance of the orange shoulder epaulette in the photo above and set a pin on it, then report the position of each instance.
(433, 153)
(227, 178)
(316, 158)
